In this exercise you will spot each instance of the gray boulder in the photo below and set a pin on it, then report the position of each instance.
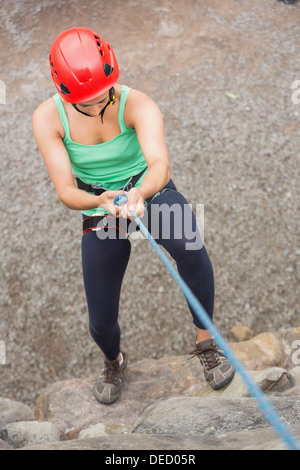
(24, 433)
(4, 445)
(12, 411)
(196, 416)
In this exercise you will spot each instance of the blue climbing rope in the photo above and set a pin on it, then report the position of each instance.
(265, 406)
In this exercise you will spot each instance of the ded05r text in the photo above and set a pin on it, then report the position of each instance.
(172, 459)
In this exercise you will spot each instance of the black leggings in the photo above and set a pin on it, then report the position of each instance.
(104, 261)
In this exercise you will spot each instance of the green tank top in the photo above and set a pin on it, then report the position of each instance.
(111, 163)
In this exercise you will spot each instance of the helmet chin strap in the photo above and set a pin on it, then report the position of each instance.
(112, 100)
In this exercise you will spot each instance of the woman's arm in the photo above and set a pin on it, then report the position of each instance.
(50, 144)
(142, 114)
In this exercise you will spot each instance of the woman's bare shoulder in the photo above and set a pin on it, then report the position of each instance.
(47, 114)
(45, 109)
(138, 103)
(138, 97)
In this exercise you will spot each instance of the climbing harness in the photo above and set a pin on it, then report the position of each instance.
(101, 222)
(106, 222)
(265, 406)
(98, 188)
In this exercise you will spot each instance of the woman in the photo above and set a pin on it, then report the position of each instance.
(112, 139)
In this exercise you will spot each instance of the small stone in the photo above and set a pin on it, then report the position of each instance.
(97, 430)
(242, 332)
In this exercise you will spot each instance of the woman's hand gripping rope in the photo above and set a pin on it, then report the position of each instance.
(130, 203)
(134, 203)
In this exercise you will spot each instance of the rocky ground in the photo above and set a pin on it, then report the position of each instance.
(166, 404)
(222, 72)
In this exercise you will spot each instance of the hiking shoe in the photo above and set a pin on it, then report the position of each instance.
(108, 386)
(218, 371)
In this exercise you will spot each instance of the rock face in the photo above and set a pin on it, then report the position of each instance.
(165, 404)
(255, 439)
(71, 405)
(262, 351)
(195, 416)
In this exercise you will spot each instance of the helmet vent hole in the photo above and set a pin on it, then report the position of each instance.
(64, 89)
(108, 69)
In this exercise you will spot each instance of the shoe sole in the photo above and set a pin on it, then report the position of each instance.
(224, 383)
(114, 398)
(106, 402)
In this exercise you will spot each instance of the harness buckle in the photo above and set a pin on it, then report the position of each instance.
(128, 185)
(97, 186)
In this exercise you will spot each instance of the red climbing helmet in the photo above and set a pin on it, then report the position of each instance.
(83, 65)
